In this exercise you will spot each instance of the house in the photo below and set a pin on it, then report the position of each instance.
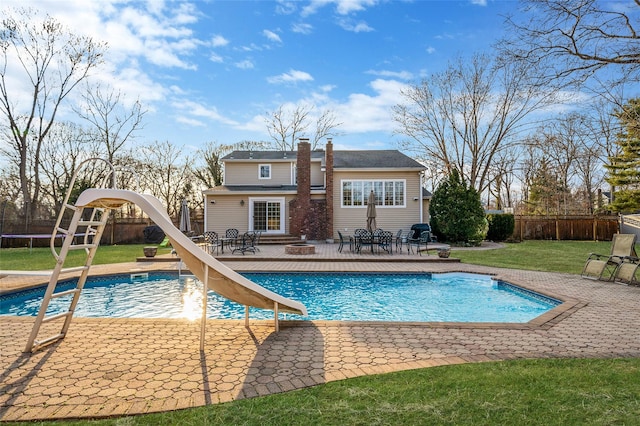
(316, 193)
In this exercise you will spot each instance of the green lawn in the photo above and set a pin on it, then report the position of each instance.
(527, 392)
(551, 256)
(23, 259)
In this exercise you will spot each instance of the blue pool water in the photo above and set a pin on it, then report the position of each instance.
(451, 297)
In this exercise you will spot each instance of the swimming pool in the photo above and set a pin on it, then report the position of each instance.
(411, 297)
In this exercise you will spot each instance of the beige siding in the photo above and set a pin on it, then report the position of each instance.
(317, 175)
(237, 173)
(346, 219)
(227, 212)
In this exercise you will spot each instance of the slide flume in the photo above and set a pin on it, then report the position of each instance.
(221, 279)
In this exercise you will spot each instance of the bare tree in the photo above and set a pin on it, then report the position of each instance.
(51, 61)
(575, 38)
(287, 124)
(64, 148)
(166, 174)
(114, 123)
(210, 173)
(464, 116)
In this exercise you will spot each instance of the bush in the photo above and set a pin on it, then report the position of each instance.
(501, 226)
(456, 212)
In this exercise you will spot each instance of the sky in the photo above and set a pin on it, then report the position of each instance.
(210, 71)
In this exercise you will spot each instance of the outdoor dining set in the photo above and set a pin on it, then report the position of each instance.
(378, 241)
(247, 242)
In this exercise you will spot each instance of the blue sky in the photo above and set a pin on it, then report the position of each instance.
(210, 70)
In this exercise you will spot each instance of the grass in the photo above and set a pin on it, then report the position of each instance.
(551, 256)
(528, 392)
(40, 258)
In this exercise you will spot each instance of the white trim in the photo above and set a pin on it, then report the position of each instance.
(382, 206)
(280, 200)
(260, 166)
(294, 173)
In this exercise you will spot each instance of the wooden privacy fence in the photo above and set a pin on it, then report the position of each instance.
(597, 228)
(123, 232)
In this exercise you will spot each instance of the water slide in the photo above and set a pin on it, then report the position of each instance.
(219, 277)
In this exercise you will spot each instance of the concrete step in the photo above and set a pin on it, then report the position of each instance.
(279, 239)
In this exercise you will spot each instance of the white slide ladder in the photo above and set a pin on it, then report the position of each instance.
(92, 235)
(91, 231)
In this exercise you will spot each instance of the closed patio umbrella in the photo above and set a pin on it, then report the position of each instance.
(185, 218)
(371, 212)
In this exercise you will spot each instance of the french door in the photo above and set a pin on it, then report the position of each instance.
(267, 215)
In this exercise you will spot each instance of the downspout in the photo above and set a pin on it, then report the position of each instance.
(420, 198)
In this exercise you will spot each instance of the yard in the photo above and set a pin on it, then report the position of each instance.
(543, 391)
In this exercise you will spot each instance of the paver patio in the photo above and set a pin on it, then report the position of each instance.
(107, 367)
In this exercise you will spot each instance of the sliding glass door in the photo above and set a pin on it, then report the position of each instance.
(267, 215)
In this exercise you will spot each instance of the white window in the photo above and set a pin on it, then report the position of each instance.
(389, 193)
(264, 171)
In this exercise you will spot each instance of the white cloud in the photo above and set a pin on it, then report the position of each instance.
(219, 41)
(191, 122)
(403, 75)
(244, 65)
(194, 109)
(293, 76)
(430, 50)
(214, 57)
(360, 27)
(479, 2)
(343, 7)
(370, 113)
(302, 28)
(272, 36)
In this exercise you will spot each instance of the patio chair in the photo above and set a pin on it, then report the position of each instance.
(247, 244)
(384, 241)
(231, 235)
(398, 239)
(423, 240)
(627, 271)
(256, 241)
(342, 241)
(362, 237)
(604, 267)
(211, 242)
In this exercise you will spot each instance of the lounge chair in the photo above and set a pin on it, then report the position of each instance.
(604, 267)
(627, 271)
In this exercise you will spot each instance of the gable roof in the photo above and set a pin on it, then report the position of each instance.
(269, 155)
(374, 159)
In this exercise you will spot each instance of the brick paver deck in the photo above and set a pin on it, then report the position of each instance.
(111, 367)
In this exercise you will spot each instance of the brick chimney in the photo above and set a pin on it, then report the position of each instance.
(299, 208)
(303, 171)
(329, 187)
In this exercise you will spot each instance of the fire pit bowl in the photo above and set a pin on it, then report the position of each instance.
(300, 249)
